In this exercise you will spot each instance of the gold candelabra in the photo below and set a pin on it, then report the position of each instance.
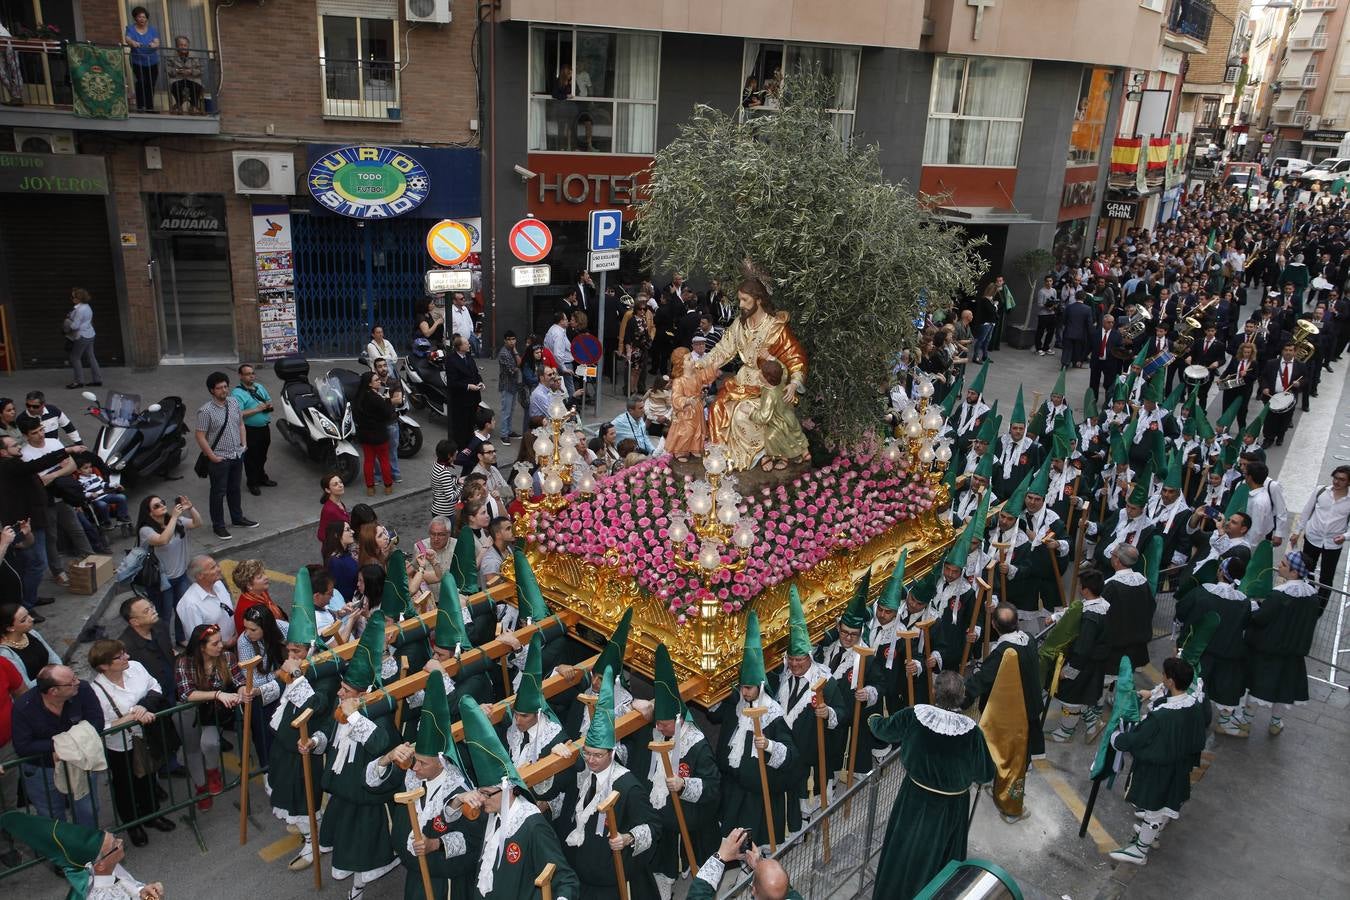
(714, 519)
(918, 427)
(560, 464)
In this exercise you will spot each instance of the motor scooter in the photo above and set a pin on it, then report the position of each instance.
(134, 443)
(424, 375)
(409, 429)
(317, 418)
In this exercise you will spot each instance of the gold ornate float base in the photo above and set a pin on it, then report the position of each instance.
(710, 646)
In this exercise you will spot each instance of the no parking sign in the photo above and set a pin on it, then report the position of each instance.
(530, 240)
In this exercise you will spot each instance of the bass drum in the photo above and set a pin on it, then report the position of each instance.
(1282, 402)
(1195, 375)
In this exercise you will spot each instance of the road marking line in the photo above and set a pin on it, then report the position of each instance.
(286, 846)
(1070, 798)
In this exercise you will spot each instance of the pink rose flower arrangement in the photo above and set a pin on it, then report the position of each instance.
(839, 507)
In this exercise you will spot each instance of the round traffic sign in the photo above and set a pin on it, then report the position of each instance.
(530, 240)
(448, 242)
(586, 349)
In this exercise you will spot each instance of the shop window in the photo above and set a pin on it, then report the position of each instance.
(1089, 118)
(766, 61)
(593, 91)
(975, 111)
(358, 57)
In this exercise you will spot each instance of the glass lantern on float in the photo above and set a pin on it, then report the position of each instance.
(915, 440)
(714, 527)
(555, 450)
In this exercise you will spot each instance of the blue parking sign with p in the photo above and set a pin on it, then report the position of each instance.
(606, 229)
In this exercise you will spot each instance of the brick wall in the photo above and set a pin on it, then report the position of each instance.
(1209, 68)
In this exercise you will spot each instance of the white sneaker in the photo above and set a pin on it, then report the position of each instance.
(1276, 726)
(1131, 853)
(339, 874)
(301, 861)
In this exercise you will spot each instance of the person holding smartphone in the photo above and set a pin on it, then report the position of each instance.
(163, 529)
(770, 880)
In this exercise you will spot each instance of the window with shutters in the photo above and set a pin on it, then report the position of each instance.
(358, 59)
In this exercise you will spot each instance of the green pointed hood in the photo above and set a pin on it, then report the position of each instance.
(615, 648)
(600, 736)
(529, 598)
(1260, 578)
(1198, 639)
(979, 522)
(1203, 429)
(1041, 483)
(1139, 495)
(433, 725)
(953, 397)
(1253, 429)
(69, 846)
(363, 669)
(668, 704)
(396, 583)
(1155, 387)
(1153, 552)
(960, 549)
(1141, 358)
(530, 694)
(1019, 412)
(985, 467)
(1058, 389)
(989, 426)
(464, 563)
(799, 637)
(1173, 479)
(1016, 504)
(893, 592)
(1229, 415)
(302, 628)
(1188, 424)
(1173, 399)
(1065, 436)
(1237, 501)
(1089, 404)
(491, 763)
(978, 384)
(1120, 451)
(752, 654)
(856, 614)
(450, 618)
(1121, 391)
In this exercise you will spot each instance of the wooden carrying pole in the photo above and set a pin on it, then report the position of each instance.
(301, 724)
(755, 713)
(409, 799)
(1077, 557)
(545, 881)
(981, 598)
(909, 637)
(855, 734)
(823, 780)
(1051, 545)
(664, 748)
(248, 666)
(612, 823)
(398, 710)
(926, 627)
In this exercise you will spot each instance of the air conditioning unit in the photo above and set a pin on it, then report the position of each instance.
(435, 11)
(264, 173)
(26, 141)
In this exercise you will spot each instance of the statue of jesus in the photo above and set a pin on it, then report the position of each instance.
(758, 329)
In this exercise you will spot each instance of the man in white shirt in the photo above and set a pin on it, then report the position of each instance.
(557, 343)
(1326, 525)
(499, 491)
(461, 320)
(207, 601)
(1266, 505)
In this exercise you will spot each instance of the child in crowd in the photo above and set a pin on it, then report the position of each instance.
(96, 492)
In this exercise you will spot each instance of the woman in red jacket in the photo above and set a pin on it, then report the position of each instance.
(333, 509)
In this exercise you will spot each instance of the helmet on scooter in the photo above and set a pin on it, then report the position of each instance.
(421, 347)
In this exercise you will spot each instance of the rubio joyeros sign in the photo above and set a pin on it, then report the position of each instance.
(368, 182)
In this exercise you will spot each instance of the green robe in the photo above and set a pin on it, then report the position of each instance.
(1084, 673)
(742, 802)
(1279, 636)
(930, 818)
(805, 732)
(450, 874)
(1223, 666)
(873, 677)
(525, 852)
(1035, 586)
(697, 766)
(356, 820)
(286, 774)
(1165, 746)
(594, 860)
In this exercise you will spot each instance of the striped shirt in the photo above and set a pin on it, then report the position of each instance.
(445, 485)
(53, 420)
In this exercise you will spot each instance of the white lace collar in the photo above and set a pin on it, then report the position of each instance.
(1096, 605)
(1298, 588)
(942, 721)
(1128, 577)
(745, 725)
(1016, 638)
(1225, 590)
(499, 829)
(1180, 701)
(544, 730)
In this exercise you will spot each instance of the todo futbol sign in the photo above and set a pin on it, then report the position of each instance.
(448, 242)
(530, 240)
(368, 182)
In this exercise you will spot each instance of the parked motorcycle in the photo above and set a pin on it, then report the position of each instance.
(135, 443)
(424, 376)
(317, 417)
(409, 430)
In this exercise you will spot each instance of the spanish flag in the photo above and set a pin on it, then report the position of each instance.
(1004, 723)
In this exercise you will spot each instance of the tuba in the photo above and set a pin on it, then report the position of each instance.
(1181, 345)
(1132, 327)
(1302, 331)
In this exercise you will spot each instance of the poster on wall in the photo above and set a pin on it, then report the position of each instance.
(274, 268)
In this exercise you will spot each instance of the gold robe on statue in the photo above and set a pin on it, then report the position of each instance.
(731, 418)
(1004, 724)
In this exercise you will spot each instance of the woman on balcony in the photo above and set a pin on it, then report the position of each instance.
(143, 40)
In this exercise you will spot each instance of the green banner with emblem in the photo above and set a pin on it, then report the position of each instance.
(98, 79)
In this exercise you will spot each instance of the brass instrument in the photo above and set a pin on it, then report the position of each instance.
(1133, 327)
(1181, 345)
(1302, 331)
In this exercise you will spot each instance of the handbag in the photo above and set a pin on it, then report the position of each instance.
(203, 465)
(143, 762)
(151, 574)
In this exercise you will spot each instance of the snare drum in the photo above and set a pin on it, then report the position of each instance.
(1196, 375)
(1157, 364)
(1282, 402)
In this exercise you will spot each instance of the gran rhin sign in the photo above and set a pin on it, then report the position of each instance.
(367, 182)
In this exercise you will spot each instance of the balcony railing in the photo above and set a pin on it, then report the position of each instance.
(1316, 42)
(177, 85)
(360, 89)
(1191, 18)
(1309, 80)
(1311, 5)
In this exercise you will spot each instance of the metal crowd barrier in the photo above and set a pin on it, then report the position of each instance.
(102, 810)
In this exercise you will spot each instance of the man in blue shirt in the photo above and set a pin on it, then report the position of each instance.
(56, 703)
(256, 405)
(631, 424)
